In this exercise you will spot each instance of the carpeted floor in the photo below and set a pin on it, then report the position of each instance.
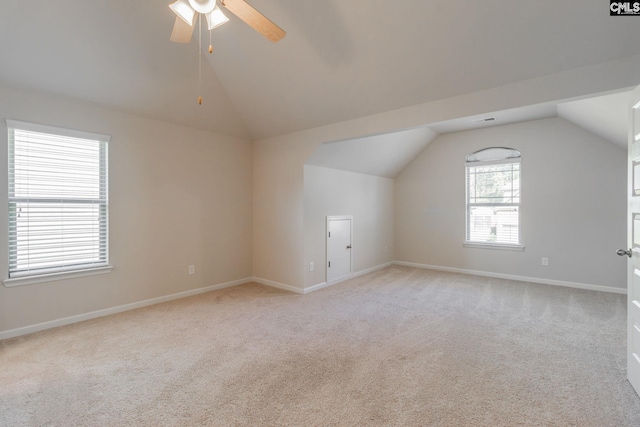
(398, 347)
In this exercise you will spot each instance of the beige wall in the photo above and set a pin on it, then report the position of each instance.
(178, 196)
(573, 204)
(278, 240)
(182, 196)
(278, 210)
(369, 199)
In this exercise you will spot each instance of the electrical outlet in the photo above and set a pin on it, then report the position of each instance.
(311, 266)
(545, 261)
(192, 269)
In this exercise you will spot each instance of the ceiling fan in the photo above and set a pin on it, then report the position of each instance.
(187, 11)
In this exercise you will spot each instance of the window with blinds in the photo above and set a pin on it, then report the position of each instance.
(493, 197)
(58, 200)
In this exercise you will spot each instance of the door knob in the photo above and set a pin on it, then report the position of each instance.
(349, 247)
(622, 252)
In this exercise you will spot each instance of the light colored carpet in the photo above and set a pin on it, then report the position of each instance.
(401, 347)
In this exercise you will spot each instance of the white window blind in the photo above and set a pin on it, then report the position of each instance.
(493, 198)
(58, 200)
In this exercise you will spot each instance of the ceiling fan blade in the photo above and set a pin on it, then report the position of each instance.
(254, 19)
(181, 31)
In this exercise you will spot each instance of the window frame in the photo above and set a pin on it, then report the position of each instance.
(62, 271)
(479, 163)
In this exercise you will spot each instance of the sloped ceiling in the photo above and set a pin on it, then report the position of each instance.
(606, 116)
(382, 155)
(113, 53)
(499, 118)
(386, 155)
(340, 59)
(346, 59)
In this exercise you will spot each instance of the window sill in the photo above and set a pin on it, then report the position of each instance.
(497, 246)
(41, 278)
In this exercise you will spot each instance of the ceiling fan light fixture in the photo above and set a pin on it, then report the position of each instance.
(183, 9)
(203, 6)
(216, 18)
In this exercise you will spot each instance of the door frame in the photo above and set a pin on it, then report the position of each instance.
(326, 245)
(633, 261)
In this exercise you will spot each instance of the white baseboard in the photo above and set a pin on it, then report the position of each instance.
(323, 284)
(113, 310)
(119, 309)
(347, 277)
(278, 285)
(518, 278)
(372, 269)
(350, 276)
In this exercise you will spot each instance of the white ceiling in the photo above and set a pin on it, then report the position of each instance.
(383, 155)
(114, 53)
(497, 118)
(606, 116)
(386, 155)
(340, 59)
(347, 59)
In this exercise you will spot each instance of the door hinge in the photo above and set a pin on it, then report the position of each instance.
(329, 234)
(329, 264)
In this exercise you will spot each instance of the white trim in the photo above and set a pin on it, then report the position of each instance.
(499, 246)
(372, 269)
(50, 277)
(35, 127)
(495, 160)
(599, 288)
(376, 268)
(350, 276)
(114, 310)
(319, 286)
(132, 306)
(278, 285)
(477, 163)
(342, 278)
(322, 285)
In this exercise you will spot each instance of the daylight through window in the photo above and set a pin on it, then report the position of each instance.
(493, 197)
(58, 204)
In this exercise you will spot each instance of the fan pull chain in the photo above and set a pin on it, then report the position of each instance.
(200, 59)
(210, 44)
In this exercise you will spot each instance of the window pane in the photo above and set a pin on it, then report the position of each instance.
(56, 234)
(493, 199)
(494, 184)
(494, 225)
(55, 167)
(57, 202)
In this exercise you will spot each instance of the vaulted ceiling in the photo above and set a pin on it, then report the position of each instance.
(340, 59)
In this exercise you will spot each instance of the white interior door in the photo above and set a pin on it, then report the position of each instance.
(633, 240)
(339, 263)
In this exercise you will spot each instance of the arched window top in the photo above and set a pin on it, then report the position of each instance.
(494, 154)
(493, 198)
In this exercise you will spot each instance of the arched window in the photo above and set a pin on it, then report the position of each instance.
(493, 198)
